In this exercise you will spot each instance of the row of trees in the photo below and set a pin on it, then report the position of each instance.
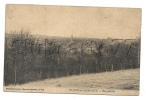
(28, 59)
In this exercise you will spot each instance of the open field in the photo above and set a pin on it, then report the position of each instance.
(126, 80)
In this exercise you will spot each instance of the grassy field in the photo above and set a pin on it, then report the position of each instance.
(124, 82)
(118, 80)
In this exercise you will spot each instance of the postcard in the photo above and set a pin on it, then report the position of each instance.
(72, 49)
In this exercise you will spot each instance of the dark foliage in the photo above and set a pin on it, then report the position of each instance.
(28, 58)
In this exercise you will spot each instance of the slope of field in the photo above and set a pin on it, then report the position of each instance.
(118, 80)
(125, 82)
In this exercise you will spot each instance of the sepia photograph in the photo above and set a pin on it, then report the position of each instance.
(72, 49)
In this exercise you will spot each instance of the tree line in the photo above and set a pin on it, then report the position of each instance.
(27, 59)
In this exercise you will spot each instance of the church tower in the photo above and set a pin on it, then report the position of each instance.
(72, 41)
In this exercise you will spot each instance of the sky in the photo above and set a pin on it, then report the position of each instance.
(88, 22)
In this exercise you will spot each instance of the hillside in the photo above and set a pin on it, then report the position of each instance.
(128, 79)
(122, 81)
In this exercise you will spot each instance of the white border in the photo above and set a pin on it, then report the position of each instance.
(98, 3)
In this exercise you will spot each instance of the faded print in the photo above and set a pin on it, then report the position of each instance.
(68, 49)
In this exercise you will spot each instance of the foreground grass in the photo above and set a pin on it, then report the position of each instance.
(121, 80)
